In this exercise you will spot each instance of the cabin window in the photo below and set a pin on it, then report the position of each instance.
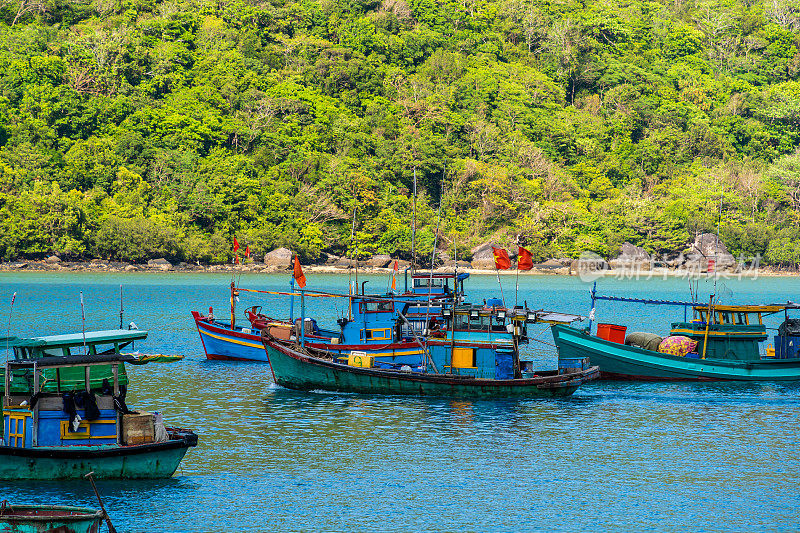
(461, 322)
(101, 349)
(427, 282)
(376, 307)
(379, 334)
(742, 319)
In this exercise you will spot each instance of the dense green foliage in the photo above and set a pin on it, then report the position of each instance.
(133, 129)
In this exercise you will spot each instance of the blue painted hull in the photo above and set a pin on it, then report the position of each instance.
(220, 342)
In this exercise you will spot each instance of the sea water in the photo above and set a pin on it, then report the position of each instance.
(616, 456)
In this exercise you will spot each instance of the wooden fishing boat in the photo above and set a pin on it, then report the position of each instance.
(479, 363)
(49, 519)
(371, 325)
(730, 345)
(64, 412)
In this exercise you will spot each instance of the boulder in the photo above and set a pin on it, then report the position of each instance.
(160, 264)
(345, 262)
(631, 257)
(483, 256)
(710, 247)
(53, 260)
(17, 265)
(131, 268)
(280, 258)
(331, 259)
(379, 261)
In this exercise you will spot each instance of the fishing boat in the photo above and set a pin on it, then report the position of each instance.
(49, 518)
(474, 355)
(719, 343)
(372, 324)
(64, 412)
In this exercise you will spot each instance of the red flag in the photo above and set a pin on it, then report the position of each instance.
(236, 260)
(501, 260)
(235, 245)
(247, 251)
(298, 273)
(394, 274)
(524, 261)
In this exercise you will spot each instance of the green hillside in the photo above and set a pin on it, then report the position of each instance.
(133, 129)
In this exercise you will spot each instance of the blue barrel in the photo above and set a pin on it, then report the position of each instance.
(787, 346)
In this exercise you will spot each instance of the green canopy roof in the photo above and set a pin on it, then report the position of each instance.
(76, 339)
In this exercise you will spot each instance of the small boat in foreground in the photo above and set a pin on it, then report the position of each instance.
(476, 355)
(723, 343)
(64, 412)
(49, 519)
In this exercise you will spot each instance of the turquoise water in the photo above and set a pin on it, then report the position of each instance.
(617, 456)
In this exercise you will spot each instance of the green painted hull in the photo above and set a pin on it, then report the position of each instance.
(49, 519)
(148, 461)
(294, 370)
(618, 361)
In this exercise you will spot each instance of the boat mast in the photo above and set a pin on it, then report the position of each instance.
(8, 330)
(414, 225)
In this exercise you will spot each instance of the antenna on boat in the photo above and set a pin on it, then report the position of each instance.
(414, 225)
(83, 321)
(8, 329)
(120, 307)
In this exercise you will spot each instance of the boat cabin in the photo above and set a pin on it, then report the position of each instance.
(732, 332)
(437, 284)
(60, 391)
(373, 322)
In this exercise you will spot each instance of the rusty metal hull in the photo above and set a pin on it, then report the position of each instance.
(295, 370)
(147, 461)
(49, 519)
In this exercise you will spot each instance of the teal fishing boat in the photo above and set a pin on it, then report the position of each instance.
(49, 519)
(475, 354)
(722, 343)
(64, 412)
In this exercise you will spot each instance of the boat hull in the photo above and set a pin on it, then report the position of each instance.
(49, 518)
(294, 370)
(147, 461)
(618, 361)
(222, 343)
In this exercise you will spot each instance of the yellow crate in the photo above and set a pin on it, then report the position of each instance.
(463, 358)
(360, 359)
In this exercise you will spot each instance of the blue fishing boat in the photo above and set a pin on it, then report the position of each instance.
(64, 412)
(373, 323)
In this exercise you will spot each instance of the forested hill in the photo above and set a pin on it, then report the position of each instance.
(134, 128)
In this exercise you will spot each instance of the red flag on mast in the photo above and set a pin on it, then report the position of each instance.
(394, 276)
(247, 251)
(524, 261)
(298, 273)
(235, 245)
(501, 260)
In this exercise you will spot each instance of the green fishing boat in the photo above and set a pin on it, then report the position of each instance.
(475, 355)
(49, 519)
(726, 343)
(64, 412)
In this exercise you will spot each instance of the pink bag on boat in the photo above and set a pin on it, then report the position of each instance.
(677, 345)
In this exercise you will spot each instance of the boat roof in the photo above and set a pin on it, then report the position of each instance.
(77, 339)
(440, 275)
(744, 308)
(74, 360)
